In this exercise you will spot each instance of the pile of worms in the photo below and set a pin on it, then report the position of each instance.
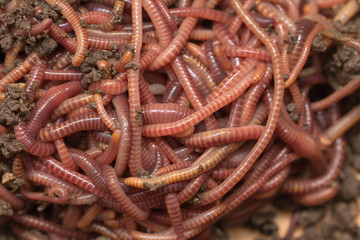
(204, 112)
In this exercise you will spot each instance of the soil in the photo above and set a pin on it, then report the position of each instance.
(5, 208)
(16, 104)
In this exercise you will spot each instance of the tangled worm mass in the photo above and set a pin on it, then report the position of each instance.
(156, 119)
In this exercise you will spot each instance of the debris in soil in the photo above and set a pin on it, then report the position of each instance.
(5, 208)
(350, 186)
(6, 41)
(311, 216)
(16, 104)
(89, 67)
(46, 46)
(9, 146)
(291, 108)
(11, 181)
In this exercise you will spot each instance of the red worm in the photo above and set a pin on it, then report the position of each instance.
(65, 155)
(19, 71)
(88, 121)
(215, 68)
(104, 231)
(63, 39)
(32, 146)
(173, 208)
(15, 202)
(102, 112)
(89, 166)
(108, 86)
(223, 136)
(206, 13)
(110, 153)
(89, 215)
(63, 75)
(47, 226)
(60, 193)
(80, 32)
(318, 197)
(236, 51)
(35, 30)
(120, 196)
(89, 18)
(173, 167)
(73, 177)
(12, 54)
(35, 78)
(71, 104)
(46, 104)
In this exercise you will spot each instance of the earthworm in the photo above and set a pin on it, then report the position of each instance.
(15, 202)
(303, 55)
(36, 29)
(173, 208)
(305, 186)
(32, 146)
(226, 38)
(346, 12)
(104, 231)
(63, 75)
(102, 112)
(221, 174)
(59, 192)
(273, 115)
(91, 167)
(206, 13)
(223, 136)
(103, 137)
(18, 72)
(47, 226)
(87, 109)
(317, 197)
(72, 214)
(88, 121)
(89, 18)
(157, 130)
(89, 215)
(340, 127)
(223, 60)
(261, 20)
(179, 41)
(109, 86)
(118, 193)
(156, 227)
(215, 68)
(46, 104)
(110, 153)
(80, 32)
(71, 104)
(133, 90)
(336, 96)
(61, 37)
(236, 51)
(106, 215)
(303, 29)
(18, 167)
(274, 183)
(65, 155)
(36, 76)
(173, 167)
(12, 54)
(73, 177)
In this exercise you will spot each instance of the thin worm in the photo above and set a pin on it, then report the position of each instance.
(102, 112)
(15, 202)
(89, 215)
(19, 72)
(110, 87)
(120, 196)
(63, 75)
(47, 103)
(80, 32)
(318, 197)
(110, 153)
(71, 104)
(173, 208)
(47, 226)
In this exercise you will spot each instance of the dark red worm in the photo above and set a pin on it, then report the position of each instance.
(47, 103)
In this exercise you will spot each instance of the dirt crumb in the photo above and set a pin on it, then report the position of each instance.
(5, 208)
(350, 186)
(11, 181)
(143, 173)
(6, 41)
(291, 108)
(16, 104)
(46, 46)
(311, 216)
(9, 146)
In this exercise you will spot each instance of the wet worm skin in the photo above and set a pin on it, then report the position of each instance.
(47, 103)
(171, 134)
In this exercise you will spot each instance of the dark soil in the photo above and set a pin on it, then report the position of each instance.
(16, 105)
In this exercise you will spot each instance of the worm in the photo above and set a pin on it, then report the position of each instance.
(80, 32)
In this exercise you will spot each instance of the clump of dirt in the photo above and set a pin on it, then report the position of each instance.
(6, 41)
(16, 104)
(5, 208)
(90, 69)
(9, 146)
(264, 221)
(46, 46)
(11, 181)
